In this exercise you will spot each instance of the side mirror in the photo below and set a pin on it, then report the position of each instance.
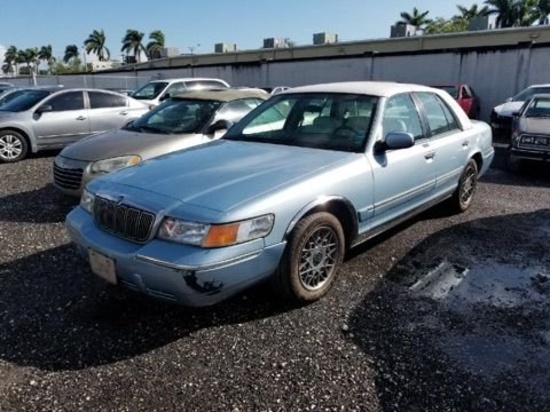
(44, 108)
(515, 114)
(508, 100)
(219, 126)
(395, 141)
(165, 97)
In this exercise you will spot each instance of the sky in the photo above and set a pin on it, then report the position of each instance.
(197, 25)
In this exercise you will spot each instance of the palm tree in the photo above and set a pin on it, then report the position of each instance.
(71, 52)
(472, 12)
(513, 13)
(132, 43)
(542, 11)
(155, 45)
(30, 58)
(417, 18)
(10, 59)
(95, 43)
(46, 54)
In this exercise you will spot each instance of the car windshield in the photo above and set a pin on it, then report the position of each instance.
(149, 91)
(530, 92)
(538, 107)
(452, 90)
(176, 116)
(24, 101)
(330, 121)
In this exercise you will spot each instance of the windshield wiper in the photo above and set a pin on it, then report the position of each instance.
(152, 129)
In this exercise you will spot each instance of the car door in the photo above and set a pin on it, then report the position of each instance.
(403, 179)
(466, 100)
(107, 111)
(449, 143)
(61, 119)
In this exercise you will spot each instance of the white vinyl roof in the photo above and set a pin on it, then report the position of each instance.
(372, 88)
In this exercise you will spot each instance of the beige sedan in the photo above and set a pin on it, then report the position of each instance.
(184, 121)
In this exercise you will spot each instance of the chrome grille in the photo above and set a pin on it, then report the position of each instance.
(67, 178)
(122, 220)
(533, 141)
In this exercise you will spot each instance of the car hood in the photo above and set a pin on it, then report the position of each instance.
(507, 109)
(118, 142)
(535, 125)
(222, 174)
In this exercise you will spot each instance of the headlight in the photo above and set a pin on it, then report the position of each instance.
(109, 165)
(210, 236)
(87, 201)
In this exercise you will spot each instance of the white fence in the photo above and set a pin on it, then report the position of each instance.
(112, 82)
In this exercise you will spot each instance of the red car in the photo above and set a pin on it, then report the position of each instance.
(466, 98)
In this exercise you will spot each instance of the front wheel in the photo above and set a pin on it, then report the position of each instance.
(13, 146)
(309, 265)
(464, 194)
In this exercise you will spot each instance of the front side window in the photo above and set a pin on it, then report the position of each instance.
(330, 121)
(175, 89)
(25, 101)
(440, 118)
(67, 101)
(100, 100)
(401, 116)
(177, 116)
(149, 91)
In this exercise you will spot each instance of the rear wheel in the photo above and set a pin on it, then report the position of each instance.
(464, 194)
(309, 265)
(13, 146)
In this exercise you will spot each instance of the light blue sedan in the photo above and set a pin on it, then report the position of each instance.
(304, 177)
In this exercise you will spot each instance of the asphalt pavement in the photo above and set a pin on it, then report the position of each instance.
(444, 313)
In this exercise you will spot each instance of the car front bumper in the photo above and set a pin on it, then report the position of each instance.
(183, 274)
(529, 154)
(71, 176)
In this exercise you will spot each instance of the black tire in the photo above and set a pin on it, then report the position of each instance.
(13, 146)
(514, 164)
(309, 266)
(464, 193)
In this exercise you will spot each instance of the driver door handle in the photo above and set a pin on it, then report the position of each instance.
(80, 118)
(429, 155)
(124, 113)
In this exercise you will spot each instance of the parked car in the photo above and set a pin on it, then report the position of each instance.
(156, 91)
(530, 132)
(305, 176)
(502, 115)
(51, 118)
(183, 121)
(466, 97)
(5, 86)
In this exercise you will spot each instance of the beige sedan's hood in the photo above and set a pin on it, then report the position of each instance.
(120, 142)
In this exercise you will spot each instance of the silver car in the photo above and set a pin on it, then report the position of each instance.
(187, 120)
(51, 118)
(530, 133)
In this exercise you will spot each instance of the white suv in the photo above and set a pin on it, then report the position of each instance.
(154, 92)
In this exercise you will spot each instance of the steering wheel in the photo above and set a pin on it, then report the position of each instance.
(344, 132)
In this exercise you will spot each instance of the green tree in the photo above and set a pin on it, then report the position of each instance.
(513, 13)
(442, 25)
(156, 44)
(472, 12)
(418, 18)
(542, 11)
(11, 60)
(132, 43)
(71, 53)
(46, 54)
(30, 58)
(95, 43)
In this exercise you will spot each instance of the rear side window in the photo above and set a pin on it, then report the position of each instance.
(100, 100)
(440, 118)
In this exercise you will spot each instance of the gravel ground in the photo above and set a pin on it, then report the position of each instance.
(445, 313)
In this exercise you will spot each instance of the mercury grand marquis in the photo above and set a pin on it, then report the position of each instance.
(297, 182)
